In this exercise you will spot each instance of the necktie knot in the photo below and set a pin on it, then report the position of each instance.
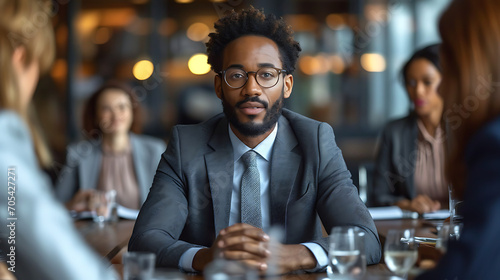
(250, 159)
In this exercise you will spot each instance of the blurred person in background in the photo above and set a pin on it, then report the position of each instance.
(114, 157)
(470, 55)
(47, 246)
(409, 170)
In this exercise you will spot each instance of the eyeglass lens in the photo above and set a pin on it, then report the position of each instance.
(266, 77)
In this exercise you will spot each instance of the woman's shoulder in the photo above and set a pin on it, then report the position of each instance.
(148, 141)
(85, 146)
(492, 128)
(15, 132)
(486, 139)
(11, 121)
(400, 127)
(406, 121)
(16, 146)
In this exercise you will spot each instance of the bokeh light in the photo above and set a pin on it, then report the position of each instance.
(198, 31)
(198, 64)
(102, 35)
(337, 64)
(373, 62)
(313, 65)
(143, 69)
(335, 21)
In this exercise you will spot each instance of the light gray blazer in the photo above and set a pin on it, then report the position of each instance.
(190, 200)
(84, 159)
(47, 246)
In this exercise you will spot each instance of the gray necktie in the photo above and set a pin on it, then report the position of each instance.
(250, 191)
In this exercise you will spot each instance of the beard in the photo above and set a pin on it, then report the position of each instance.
(252, 129)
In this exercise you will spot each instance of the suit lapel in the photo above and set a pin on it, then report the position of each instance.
(284, 166)
(141, 159)
(220, 168)
(90, 167)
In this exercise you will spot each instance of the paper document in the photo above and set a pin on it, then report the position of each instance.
(123, 212)
(127, 213)
(383, 213)
(438, 215)
(391, 212)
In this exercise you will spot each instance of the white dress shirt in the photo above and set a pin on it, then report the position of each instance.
(264, 151)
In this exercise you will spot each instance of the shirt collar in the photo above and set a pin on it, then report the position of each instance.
(438, 138)
(264, 149)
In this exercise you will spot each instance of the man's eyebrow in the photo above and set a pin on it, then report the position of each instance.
(265, 65)
(260, 65)
(236, 66)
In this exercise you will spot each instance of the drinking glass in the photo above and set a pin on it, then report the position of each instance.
(168, 274)
(447, 233)
(103, 206)
(401, 251)
(346, 255)
(455, 205)
(138, 265)
(222, 269)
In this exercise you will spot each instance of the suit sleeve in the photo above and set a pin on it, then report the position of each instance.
(384, 176)
(164, 214)
(338, 201)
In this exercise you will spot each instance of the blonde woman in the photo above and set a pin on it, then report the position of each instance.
(470, 88)
(46, 244)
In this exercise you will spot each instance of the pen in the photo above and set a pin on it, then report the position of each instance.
(421, 240)
(425, 239)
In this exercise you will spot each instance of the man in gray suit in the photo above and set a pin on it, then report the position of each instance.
(201, 203)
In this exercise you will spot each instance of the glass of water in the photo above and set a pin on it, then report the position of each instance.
(138, 265)
(455, 205)
(447, 233)
(103, 206)
(346, 254)
(400, 251)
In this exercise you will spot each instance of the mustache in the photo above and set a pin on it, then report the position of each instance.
(253, 99)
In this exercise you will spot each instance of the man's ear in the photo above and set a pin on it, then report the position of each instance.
(218, 85)
(287, 91)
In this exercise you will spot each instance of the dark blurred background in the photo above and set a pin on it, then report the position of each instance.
(347, 75)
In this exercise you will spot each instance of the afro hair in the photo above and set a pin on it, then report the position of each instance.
(252, 22)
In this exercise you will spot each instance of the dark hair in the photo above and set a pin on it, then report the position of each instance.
(252, 22)
(430, 53)
(90, 122)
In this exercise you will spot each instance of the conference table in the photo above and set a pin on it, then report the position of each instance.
(107, 239)
(110, 241)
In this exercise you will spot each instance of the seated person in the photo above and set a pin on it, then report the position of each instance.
(409, 169)
(470, 30)
(204, 199)
(113, 157)
(41, 242)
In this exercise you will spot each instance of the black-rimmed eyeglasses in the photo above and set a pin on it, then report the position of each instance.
(266, 77)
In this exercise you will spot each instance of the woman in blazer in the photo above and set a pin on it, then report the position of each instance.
(112, 157)
(470, 53)
(409, 170)
(46, 243)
